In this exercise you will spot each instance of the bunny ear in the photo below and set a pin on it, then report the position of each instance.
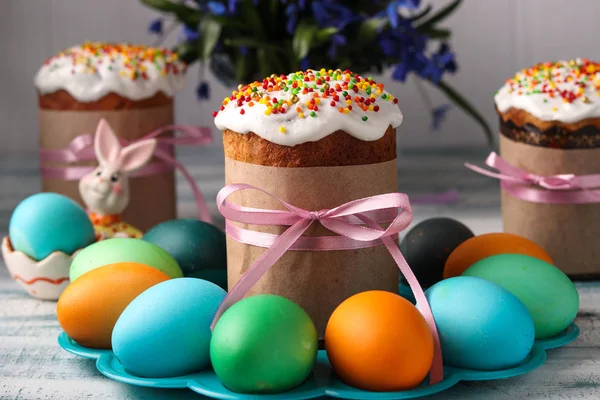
(136, 155)
(106, 144)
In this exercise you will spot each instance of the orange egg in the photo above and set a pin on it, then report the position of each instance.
(89, 307)
(378, 341)
(490, 244)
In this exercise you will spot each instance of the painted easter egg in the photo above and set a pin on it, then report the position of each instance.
(198, 247)
(116, 250)
(379, 341)
(481, 325)
(263, 344)
(89, 307)
(427, 246)
(489, 244)
(47, 222)
(165, 331)
(548, 294)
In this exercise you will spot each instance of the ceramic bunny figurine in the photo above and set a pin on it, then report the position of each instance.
(105, 190)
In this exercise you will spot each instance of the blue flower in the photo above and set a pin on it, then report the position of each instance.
(216, 7)
(438, 114)
(243, 50)
(392, 9)
(336, 40)
(190, 33)
(291, 11)
(440, 62)
(203, 90)
(304, 64)
(406, 44)
(156, 26)
(231, 4)
(329, 13)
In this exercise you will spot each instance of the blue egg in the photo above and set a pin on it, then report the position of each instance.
(48, 222)
(165, 331)
(481, 325)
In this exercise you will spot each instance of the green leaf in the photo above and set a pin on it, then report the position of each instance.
(209, 31)
(250, 42)
(421, 14)
(163, 5)
(229, 22)
(439, 16)
(252, 18)
(324, 34)
(367, 32)
(241, 68)
(187, 52)
(438, 34)
(464, 104)
(187, 15)
(303, 38)
(263, 62)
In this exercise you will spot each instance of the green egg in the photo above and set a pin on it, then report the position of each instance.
(549, 295)
(110, 251)
(263, 344)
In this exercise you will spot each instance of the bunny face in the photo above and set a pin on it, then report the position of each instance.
(105, 190)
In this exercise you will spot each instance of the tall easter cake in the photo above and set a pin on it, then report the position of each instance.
(550, 125)
(316, 139)
(132, 87)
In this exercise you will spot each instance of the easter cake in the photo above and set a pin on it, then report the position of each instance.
(316, 139)
(133, 88)
(549, 118)
(105, 76)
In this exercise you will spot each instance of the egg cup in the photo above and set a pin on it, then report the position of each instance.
(45, 279)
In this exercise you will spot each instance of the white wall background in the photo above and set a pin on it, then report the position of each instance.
(492, 39)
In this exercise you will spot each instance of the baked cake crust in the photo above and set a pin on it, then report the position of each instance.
(520, 126)
(336, 149)
(62, 100)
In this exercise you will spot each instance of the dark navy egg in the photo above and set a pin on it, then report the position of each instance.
(427, 246)
(198, 247)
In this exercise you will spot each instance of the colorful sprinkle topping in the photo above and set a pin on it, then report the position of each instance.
(133, 60)
(342, 90)
(566, 91)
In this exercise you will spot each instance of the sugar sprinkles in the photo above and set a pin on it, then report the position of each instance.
(310, 95)
(94, 69)
(566, 91)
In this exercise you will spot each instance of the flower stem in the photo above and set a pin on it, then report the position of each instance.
(423, 93)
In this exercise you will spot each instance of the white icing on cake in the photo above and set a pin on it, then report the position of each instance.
(565, 91)
(93, 70)
(250, 108)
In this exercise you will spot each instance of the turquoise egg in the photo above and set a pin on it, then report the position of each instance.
(47, 222)
(481, 325)
(549, 295)
(198, 247)
(263, 344)
(165, 331)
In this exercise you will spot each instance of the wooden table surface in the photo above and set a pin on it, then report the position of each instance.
(33, 366)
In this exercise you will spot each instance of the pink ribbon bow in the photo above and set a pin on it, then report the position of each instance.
(559, 189)
(344, 220)
(82, 149)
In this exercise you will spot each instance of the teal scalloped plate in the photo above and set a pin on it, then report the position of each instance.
(322, 381)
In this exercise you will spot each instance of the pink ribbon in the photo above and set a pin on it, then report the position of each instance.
(554, 189)
(347, 220)
(82, 149)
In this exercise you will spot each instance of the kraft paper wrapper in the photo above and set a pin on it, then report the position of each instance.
(152, 198)
(568, 232)
(318, 281)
